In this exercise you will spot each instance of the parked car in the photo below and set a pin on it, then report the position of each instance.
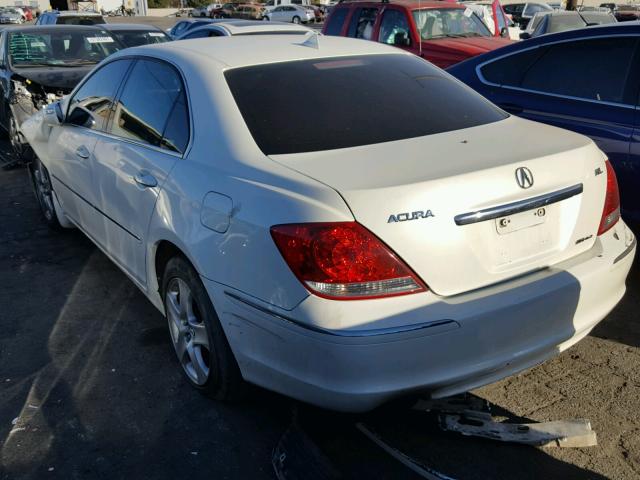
(555, 22)
(493, 16)
(250, 12)
(291, 13)
(522, 13)
(133, 35)
(205, 11)
(611, 6)
(183, 26)
(10, 15)
(227, 10)
(627, 13)
(244, 27)
(442, 32)
(582, 80)
(28, 13)
(40, 65)
(72, 17)
(450, 264)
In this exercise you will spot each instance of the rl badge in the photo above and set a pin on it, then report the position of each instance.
(404, 217)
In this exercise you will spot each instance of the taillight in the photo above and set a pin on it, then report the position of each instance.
(611, 210)
(343, 260)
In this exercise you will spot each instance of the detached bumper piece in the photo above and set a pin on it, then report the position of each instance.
(470, 417)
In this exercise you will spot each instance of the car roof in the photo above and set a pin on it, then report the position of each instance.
(127, 26)
(410, 4)
(605, 30)
(255, 26)
(244, 51)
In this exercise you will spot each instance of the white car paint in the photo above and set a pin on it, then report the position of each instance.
(244, 27)
(289, 13)
(496, 304)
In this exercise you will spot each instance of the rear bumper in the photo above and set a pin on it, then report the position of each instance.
(422, 342)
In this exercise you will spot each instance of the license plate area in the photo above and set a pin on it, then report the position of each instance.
(519, 221)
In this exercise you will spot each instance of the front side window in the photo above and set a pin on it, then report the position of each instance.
(91, 104)
(60, 48)
(362, 21)
(179, 28)
(436, 23)
(596, 69)
(359, 100)
(394, 25)
(152, 107)
(336, 21)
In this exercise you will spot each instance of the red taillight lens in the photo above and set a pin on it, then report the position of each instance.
(611, 210)
(343, 260)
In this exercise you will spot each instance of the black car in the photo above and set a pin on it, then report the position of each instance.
(133, 35)
(41, 64)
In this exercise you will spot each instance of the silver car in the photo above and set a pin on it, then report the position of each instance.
(291, 14)
(10, 15)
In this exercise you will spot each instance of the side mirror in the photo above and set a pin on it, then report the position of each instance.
(504, 33)
(401, 39)
(53, 114)
(525, 36)
(81, 118)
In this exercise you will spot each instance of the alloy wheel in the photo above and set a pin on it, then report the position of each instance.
(44, 192)
(188, 331)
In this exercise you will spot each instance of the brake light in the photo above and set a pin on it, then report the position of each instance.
(611, 210)
(343, 260)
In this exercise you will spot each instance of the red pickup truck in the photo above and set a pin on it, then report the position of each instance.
(444, 33)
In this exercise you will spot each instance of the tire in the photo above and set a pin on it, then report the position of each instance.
(197, 335)
(265, 19)
(44, 194)
(296, 20)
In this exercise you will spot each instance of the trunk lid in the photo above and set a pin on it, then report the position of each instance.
(414, 194)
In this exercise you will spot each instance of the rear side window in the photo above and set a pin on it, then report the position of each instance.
(597, 69)
(336, 20)
(152, 107)
(80, 20)
(362, 21)
(359, 100)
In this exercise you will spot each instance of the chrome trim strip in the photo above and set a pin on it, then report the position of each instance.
(569, 97)
(627, 251)
(343, 333)
(517, 207)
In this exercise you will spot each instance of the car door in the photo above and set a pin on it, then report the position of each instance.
(149, 131)
(71, 144)
(559, 84)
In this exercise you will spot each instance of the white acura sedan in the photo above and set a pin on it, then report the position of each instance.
(404, 236)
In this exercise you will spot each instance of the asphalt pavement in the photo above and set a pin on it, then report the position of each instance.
(90, 388)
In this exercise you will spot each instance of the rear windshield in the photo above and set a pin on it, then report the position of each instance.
(79, 20)
(134, 38)
(324, 104)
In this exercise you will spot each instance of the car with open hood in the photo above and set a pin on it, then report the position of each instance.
(442, 32)
(41, 64)
(389, 250)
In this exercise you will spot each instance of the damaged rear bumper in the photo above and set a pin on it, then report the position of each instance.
(424, 343)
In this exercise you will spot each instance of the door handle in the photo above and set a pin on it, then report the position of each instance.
(82, 152)
(145, 179)
(511, 108)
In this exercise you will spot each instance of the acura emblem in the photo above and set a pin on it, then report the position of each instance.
(524, 177)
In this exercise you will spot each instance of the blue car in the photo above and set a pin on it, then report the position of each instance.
(584, 80)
